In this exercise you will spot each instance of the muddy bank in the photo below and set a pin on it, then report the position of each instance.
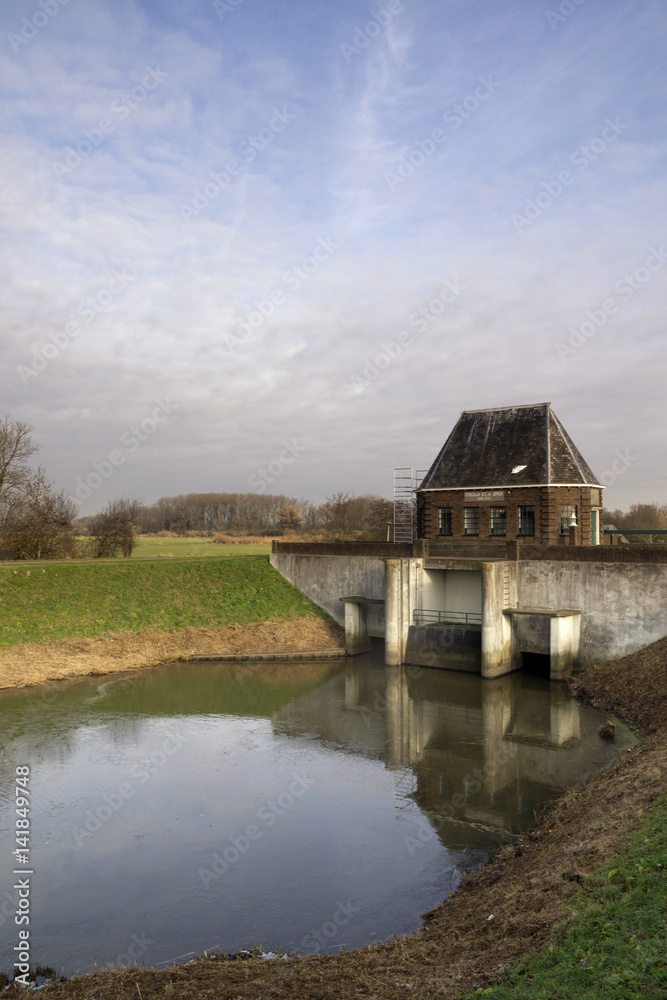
(35, 663)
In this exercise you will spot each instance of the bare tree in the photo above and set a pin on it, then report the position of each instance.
(40, 521)
(114, 528)
(289, 518)
(16, 447)
(340, 517)
(643, 516)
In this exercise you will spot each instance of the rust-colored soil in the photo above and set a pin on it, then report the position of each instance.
(35, 663)
(527, 888)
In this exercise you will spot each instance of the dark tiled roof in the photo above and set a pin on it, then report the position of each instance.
(486, 445)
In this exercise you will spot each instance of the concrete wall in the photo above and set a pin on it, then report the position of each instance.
(463, 590)
(624, 605)
(452, 648)
(451, 590)
(325, 579)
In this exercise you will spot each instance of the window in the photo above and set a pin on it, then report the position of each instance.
(565, 512)
(526, 520)
(421, 522)
(446, 785)
(498, 521)
(444, 520)
(471, 520)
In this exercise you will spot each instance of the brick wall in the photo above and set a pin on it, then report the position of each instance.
(545, 499)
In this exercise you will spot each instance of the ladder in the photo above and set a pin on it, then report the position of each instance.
(406, 482)
(405, 786)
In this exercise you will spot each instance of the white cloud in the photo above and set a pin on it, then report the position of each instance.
(321, 176)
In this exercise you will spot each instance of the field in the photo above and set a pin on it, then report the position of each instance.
(42, 602)
(181, 548)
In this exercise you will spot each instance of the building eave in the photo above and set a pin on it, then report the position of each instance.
(509, 486)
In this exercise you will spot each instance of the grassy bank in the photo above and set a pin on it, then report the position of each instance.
(615, 946)
(43, 603)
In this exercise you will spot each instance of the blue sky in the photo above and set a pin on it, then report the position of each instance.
(285, 244)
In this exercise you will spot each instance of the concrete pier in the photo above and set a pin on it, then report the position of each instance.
(357, 637)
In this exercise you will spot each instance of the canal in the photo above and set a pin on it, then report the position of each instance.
(304, 807)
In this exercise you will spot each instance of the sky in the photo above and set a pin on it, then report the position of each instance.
(261, 246)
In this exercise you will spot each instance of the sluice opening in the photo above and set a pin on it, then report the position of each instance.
(538, 664)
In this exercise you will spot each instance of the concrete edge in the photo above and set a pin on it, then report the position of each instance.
(320, 654)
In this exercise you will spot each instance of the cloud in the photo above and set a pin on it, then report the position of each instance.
(192, 279)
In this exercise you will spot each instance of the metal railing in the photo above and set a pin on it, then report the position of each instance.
(422, 616)
(633, 531)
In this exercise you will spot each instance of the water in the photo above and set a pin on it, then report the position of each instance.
(300, 807)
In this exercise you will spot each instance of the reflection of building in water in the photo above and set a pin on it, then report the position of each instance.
(478, 757)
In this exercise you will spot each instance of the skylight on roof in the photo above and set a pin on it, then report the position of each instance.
(518, 468)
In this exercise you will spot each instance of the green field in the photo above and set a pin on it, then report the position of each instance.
(180, 548)
(41, 601)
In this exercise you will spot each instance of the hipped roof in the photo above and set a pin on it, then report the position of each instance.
(508, 446)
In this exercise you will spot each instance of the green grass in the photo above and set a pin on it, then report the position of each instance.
(616, 949)
(41, 602)
(180, 548)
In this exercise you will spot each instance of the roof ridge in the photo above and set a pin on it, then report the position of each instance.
(497, 409)
(568, 443)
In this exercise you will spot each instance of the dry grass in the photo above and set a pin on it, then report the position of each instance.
(527, 889)
(35, 663)
(222, 538)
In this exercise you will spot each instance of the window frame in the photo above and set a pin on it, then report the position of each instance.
(494, 518)
(445, 514)
(475, 519)
(564, 528)
(525, 510)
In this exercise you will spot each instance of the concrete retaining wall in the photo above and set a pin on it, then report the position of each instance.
(327, 578)
(624, 605)
(448, 647)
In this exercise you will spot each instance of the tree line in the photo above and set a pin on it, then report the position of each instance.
(342, 516)
(39, 522)
(640, 517)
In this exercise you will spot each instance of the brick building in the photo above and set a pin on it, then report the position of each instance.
(506, 473)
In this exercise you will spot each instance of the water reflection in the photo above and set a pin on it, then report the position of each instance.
(478, 757)
(224, 805)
